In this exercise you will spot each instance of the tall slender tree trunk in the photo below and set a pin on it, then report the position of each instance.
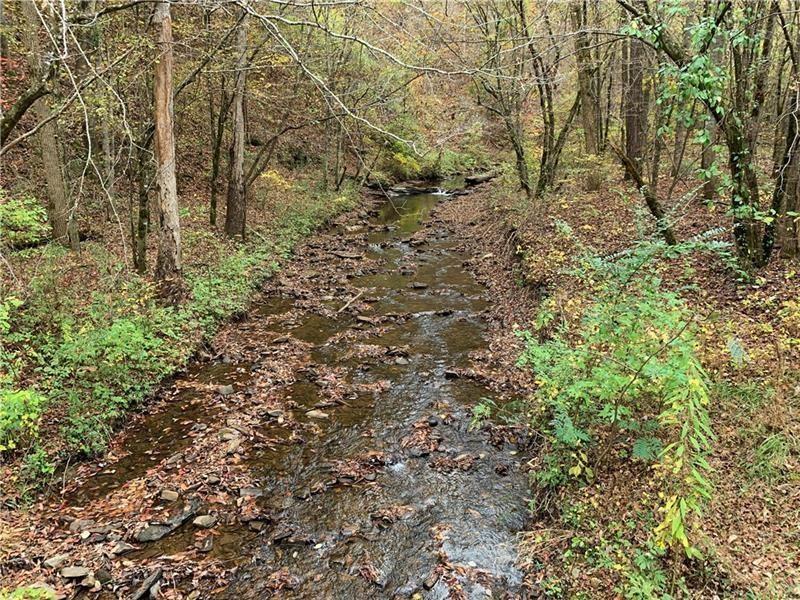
(587, 79)
(168, 259)
(707, 159)
(634, 102)
(236, 210)
(61, 214)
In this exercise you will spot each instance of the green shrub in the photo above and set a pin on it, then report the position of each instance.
(28, 593)
(20, 413)
(23, 220)
(628, 374)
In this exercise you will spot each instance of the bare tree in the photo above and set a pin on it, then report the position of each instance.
(61, 213)
(168, 260)
(236, 209)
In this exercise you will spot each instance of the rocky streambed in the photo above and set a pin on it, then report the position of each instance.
(324, 448)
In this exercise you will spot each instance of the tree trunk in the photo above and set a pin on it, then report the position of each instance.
(707, 159)
(236, 210)
(61, 213)
(168, 259)
(633, 101)
(587, 79)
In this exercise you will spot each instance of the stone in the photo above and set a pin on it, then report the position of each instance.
(430, 581)
(213, 479)
(205, 521)
(370, 477)
(122, 548)
(56, 561)
(74, 572)
(256, 525)
(401, 360)
(250, 492)
(433, 421)
(169, 495)
(316, 414)
(151, 533)
(80, 525)
(103, 576)
(225, 390)
(206, 544)
(275, 413)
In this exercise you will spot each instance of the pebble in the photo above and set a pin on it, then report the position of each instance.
(56, 561)
(103, 576)
(252, 492)
(225, 390)
(433, 421)
(74, 572)
(121, 548)
(205, 521)
(316, 414)
(169, 495)
(213, 479)
(80, 524)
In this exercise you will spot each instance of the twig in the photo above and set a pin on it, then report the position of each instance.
(349, 302)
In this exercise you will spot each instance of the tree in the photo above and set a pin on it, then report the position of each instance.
(588, 79)
(634, 101)
(236, 209)
(61, 213)
(502, 86)
(736, 111)
(168, 260)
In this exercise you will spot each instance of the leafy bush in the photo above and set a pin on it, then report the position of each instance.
(628, 374)
(28, 593)
(20, 412)
(23, 220)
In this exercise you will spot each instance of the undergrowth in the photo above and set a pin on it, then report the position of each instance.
(71, 367)
(620, 385)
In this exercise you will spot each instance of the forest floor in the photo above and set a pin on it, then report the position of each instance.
(323, 444)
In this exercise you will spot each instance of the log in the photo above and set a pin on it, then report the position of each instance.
(479, 178)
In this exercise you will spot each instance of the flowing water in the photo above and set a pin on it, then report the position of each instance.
(465, 519)
(439, 512)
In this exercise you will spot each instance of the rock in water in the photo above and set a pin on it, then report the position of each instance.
(205, 521)
(151, 533)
